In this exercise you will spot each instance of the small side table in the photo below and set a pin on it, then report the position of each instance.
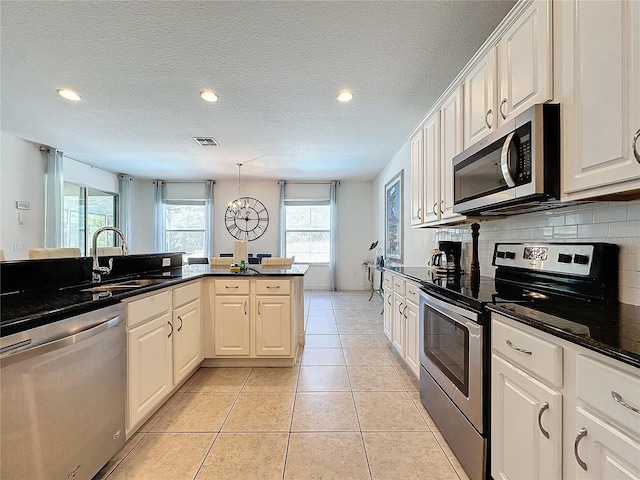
(371, 274)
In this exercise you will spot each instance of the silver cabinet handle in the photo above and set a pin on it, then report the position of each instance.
(507, 150)
(171, 332)
(231, 286)
(545, 406)
(635, 146)
(434, 208)
(180, 327)
(581, 434)
(503, 102)
(258, 308)
(486, 118)
(616, 396)
(509, 344)
(441, 204)
(245, 307)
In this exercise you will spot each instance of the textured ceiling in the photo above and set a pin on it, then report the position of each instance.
(276, 66)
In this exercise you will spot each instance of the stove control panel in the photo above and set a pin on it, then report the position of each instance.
(569, 259)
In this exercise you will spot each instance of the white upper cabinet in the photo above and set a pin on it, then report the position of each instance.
(598, 75)
(525, 62)
(479, 100)
(450, 146)
(417, 179)
(431, 135)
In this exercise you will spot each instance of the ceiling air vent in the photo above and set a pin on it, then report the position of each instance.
(206, 141)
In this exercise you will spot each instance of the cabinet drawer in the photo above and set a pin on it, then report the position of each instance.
(186, 294)
(232, 287)
(273, 287)
(538, 356)
(387, 281)
(412, 293)
(398, 286)
(142, 310)
(597, 383)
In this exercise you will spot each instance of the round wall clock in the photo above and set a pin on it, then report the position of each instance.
(246, 218)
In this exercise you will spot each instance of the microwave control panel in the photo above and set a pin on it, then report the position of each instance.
(570, 259)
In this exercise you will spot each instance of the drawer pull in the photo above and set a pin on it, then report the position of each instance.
(511, 345)
(258, 308)
(245, 307)
(231, 286)
(271, 286)
(545, 406)
(581, 434)
(616, 396)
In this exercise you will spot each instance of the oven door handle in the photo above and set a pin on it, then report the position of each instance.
(446, 308)
(505, 157)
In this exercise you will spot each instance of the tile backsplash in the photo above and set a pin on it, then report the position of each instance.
(612, 222)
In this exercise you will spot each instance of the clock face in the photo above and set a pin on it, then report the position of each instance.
(248, 222)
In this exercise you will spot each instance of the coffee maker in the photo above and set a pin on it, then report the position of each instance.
(453, 251)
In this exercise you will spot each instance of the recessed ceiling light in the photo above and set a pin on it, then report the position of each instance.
(345, 96)
(209, 96)
(68, 94)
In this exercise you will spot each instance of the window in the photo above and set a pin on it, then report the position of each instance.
(85, 210)
(185, 227)
(308, 226)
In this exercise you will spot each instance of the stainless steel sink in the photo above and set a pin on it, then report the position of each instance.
(124, 286)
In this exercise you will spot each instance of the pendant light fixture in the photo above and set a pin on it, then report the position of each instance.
(246, 218)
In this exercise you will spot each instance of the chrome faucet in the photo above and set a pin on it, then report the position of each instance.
(98, 271)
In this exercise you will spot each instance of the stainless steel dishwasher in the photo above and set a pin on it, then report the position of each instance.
(63, 388)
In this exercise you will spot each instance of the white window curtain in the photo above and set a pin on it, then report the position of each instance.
(124, 207)
(159, 216)
(333, 199)
(209, 218)
(54, 189)
(282, 232)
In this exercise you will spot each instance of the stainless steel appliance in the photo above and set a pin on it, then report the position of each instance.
(63, 396)
(514, 169)
(455, 329)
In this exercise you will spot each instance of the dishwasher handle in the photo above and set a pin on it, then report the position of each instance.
(58, 343)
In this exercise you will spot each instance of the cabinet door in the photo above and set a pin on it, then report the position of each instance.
(412, 338)
(186, 340)
(432, 168)
(525, 61)
(397, 326)
(231, 321)
(150, 366)
(479, 99)
(600, 96)
(604, 451)
(522, 409)
(417, 179)
(388, 313)
(273, 325)
(450, 146)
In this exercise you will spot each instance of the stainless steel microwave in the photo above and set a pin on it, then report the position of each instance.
(515, 169)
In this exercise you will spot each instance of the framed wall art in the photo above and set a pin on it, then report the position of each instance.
(393, 219)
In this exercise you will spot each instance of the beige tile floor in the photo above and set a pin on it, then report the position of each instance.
(349, 409)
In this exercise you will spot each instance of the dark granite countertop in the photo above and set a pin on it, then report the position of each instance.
(20, 311)
(612, 330)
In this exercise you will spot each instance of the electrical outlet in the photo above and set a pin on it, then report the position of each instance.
(18, 247)
(166, 262)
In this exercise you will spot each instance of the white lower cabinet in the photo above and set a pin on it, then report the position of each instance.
(231, 319)
(411, 319)
(526, 425)
(150, 377)
(186, 339)
(583, 400)
(387, 312)
(397, 327)
(273, 325)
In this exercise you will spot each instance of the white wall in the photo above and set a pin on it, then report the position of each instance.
(416, 243)
(21, 179)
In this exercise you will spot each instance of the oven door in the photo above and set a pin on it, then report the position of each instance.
(451, 345)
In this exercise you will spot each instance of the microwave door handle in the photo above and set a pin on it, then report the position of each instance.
(504, 161)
